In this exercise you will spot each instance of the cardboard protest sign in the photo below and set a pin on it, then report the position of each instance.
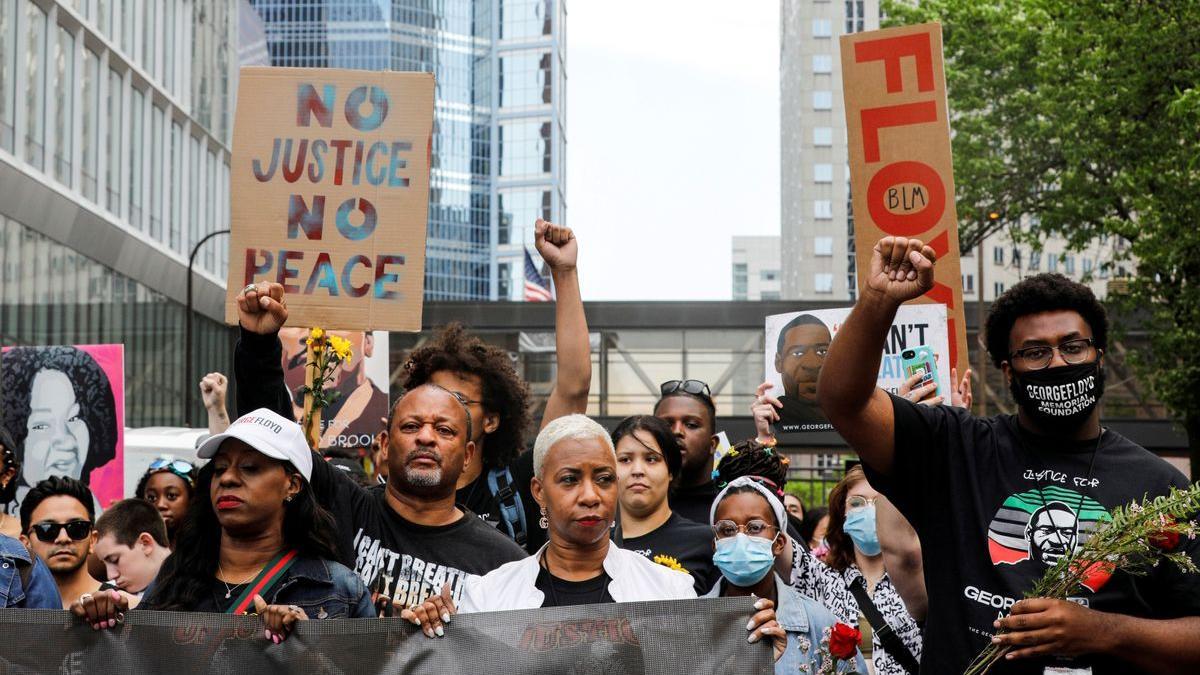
(795, 345)
(64, 407)
(329, 194)
(352, 419)
(898, 129)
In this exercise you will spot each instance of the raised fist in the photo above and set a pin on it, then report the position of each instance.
(901, 269)
(557, 245)
(261, 308)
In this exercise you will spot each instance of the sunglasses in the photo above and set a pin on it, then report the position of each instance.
(182, 468)
(693, 387)
(47, 532)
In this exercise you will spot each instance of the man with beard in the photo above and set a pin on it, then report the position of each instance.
(56, 526)
(960, 479)
(799, 354)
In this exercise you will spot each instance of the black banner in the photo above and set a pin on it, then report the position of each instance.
(698, 637)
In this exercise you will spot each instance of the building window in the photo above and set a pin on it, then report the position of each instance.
(997, 289)
(1069, 264)
(822, 64)
(740, 278)
(822, 28)
(8, 74)
(64, 99)
(822, 209)
(154, 179)
(998, 255)
(769, 295)
(1088, 263)
(822, 173)
(112, 142)
(1016, 257)
(503, 281)
(177, 235)
(35, 89)
(822, 100)
(855, 16)
(1104, 270)
(823, 246)
(822, 136)
(1052, 263)
(823, 283)
(968, 282)
(769, 275)
(1035, 260)
(137, 157)
(91, 110)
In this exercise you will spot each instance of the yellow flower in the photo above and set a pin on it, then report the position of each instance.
(670, 563)
(316, 334)
(341, 347)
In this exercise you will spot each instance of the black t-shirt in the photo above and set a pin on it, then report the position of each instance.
(694, 502)
(401, 559)
(478, 497)
(679, 544)
(992, 503)
(563, 593)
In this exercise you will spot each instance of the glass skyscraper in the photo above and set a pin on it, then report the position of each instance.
(499, 138)
(115, 123)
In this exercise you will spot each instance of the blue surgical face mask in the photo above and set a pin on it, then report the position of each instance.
(744, 560)
(860, 525)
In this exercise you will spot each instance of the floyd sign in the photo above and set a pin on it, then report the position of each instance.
(898, 130)
(330, 193)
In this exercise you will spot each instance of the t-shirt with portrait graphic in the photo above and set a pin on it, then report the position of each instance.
(994, 506)
(679, 544)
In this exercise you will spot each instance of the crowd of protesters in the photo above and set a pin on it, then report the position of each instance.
(458, 514)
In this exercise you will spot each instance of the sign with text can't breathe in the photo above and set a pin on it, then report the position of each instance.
(898, 131)
(330, 194)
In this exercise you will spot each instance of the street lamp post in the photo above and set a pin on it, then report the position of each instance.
(189, 376)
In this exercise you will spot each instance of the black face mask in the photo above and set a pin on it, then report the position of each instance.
(1060, 397)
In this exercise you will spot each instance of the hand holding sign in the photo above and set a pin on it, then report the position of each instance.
(557, 245)
(901, 269)
(261, 308)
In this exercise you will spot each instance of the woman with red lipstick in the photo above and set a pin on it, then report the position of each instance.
(274, 545)
(648, 459)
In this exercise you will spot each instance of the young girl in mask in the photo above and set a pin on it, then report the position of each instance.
(748, 522)
(856, 556)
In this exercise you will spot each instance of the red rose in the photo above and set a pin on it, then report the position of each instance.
(1167, 540)
(844, 641)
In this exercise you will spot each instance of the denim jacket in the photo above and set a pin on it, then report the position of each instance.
(42, 592)
(322, 588)
(805, 622)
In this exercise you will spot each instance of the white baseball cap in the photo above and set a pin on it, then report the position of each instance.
(269, 433)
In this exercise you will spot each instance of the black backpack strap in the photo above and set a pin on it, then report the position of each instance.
(888, 639)
(512, 510)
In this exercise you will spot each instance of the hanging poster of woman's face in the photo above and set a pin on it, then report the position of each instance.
(64, 408)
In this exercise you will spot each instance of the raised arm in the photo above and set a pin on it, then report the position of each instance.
(901, 270)
(902, 557)
(258, 356)
(559, 248)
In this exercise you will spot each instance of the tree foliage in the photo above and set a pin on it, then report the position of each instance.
(1085, 117)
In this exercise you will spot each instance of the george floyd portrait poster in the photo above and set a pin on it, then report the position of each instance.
(353, 418)
(795, 346)
(64, 407)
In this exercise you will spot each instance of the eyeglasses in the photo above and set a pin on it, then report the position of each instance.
(47, 532)
(180, 467)
(724, 529)
(858, 502)
(693, 387)
(1072, 351)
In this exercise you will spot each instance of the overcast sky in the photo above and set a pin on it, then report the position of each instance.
(672, 142)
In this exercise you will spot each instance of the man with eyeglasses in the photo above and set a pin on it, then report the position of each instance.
(56, 526)
(995, 501)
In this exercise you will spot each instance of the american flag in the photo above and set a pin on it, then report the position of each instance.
(537, 286)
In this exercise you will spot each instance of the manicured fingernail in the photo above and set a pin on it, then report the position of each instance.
(267, 634)
(440, 632)
(758, 605)
(750, 625)
(112, 622)
(416, 621)
(428, 633)
(275, 639)
(995, 640)
(752, 639)
(446, 617)
(996, 624)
